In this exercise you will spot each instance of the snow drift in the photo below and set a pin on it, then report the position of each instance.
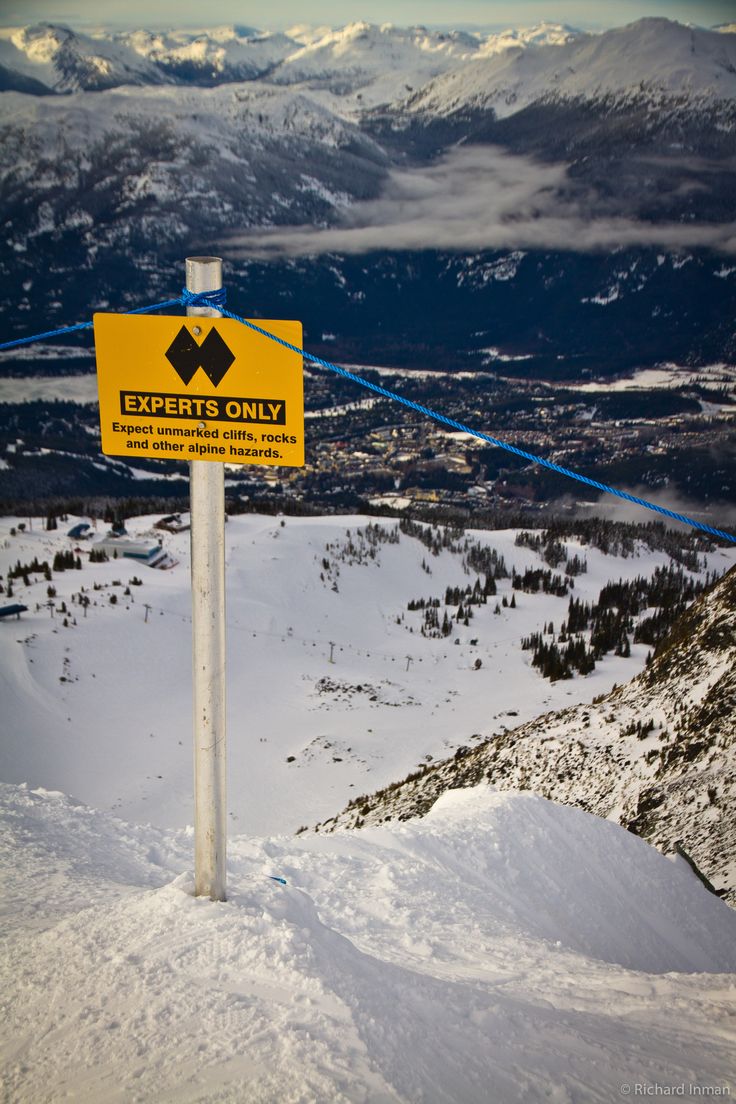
(504, 948)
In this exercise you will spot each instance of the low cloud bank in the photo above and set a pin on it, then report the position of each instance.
(720, 515)
(480, 197)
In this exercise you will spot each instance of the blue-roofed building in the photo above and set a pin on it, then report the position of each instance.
(15, 609)
(82, 531)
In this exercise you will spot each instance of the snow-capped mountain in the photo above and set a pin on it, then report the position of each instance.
(506, 71)
(544, 34)
(150, 173)
(46, 58)
(213, 56)
(657, 755)
(653, 58)
(376, 63)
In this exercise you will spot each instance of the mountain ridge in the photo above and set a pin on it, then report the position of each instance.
(64, 60)
(654, 55)
(121, 183)
(657, 755)
(452, 68)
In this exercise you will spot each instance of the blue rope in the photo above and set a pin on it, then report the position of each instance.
(216, 300)
(42, 336)
(462, 428)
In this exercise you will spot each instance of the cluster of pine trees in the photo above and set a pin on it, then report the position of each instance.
(484, 561)
(434, 537)
(620, 538)
(432, 626)
(423, 603)
(535, 579)
(461, 599)
(67, 561)
(477, 595)
(25, 570)
(559, 660)
(611, 622)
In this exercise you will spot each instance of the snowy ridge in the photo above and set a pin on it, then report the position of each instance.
(66, 61)
(545, 34)
(504, 947)
(363, 65)
(378, 63)
(381, 60)
(672, 778)
(653, 58)
(229, 53)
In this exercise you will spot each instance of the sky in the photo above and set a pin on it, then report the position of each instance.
(284, 13)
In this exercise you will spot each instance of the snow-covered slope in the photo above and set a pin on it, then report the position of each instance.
(101, 708)
(168, 164)
(501, 947)
(543, 34)
(214, 55)
(652, 58)
(62, 60)
(504, 948)
(658, 755)
(379, 63)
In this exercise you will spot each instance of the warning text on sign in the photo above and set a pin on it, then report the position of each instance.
(159, 381)
(216, 409)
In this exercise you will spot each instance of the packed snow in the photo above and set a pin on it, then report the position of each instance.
(503, 948)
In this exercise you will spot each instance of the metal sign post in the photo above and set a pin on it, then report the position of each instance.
(207, 491)
(212, 391)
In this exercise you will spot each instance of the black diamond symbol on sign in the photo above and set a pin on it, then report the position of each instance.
(186, 356)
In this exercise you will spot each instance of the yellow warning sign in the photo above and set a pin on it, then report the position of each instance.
(200, 389)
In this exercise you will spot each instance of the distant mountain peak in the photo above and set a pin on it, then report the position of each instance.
(653, 56)
(64, 60)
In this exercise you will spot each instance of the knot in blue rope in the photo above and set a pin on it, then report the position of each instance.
(214, 299)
